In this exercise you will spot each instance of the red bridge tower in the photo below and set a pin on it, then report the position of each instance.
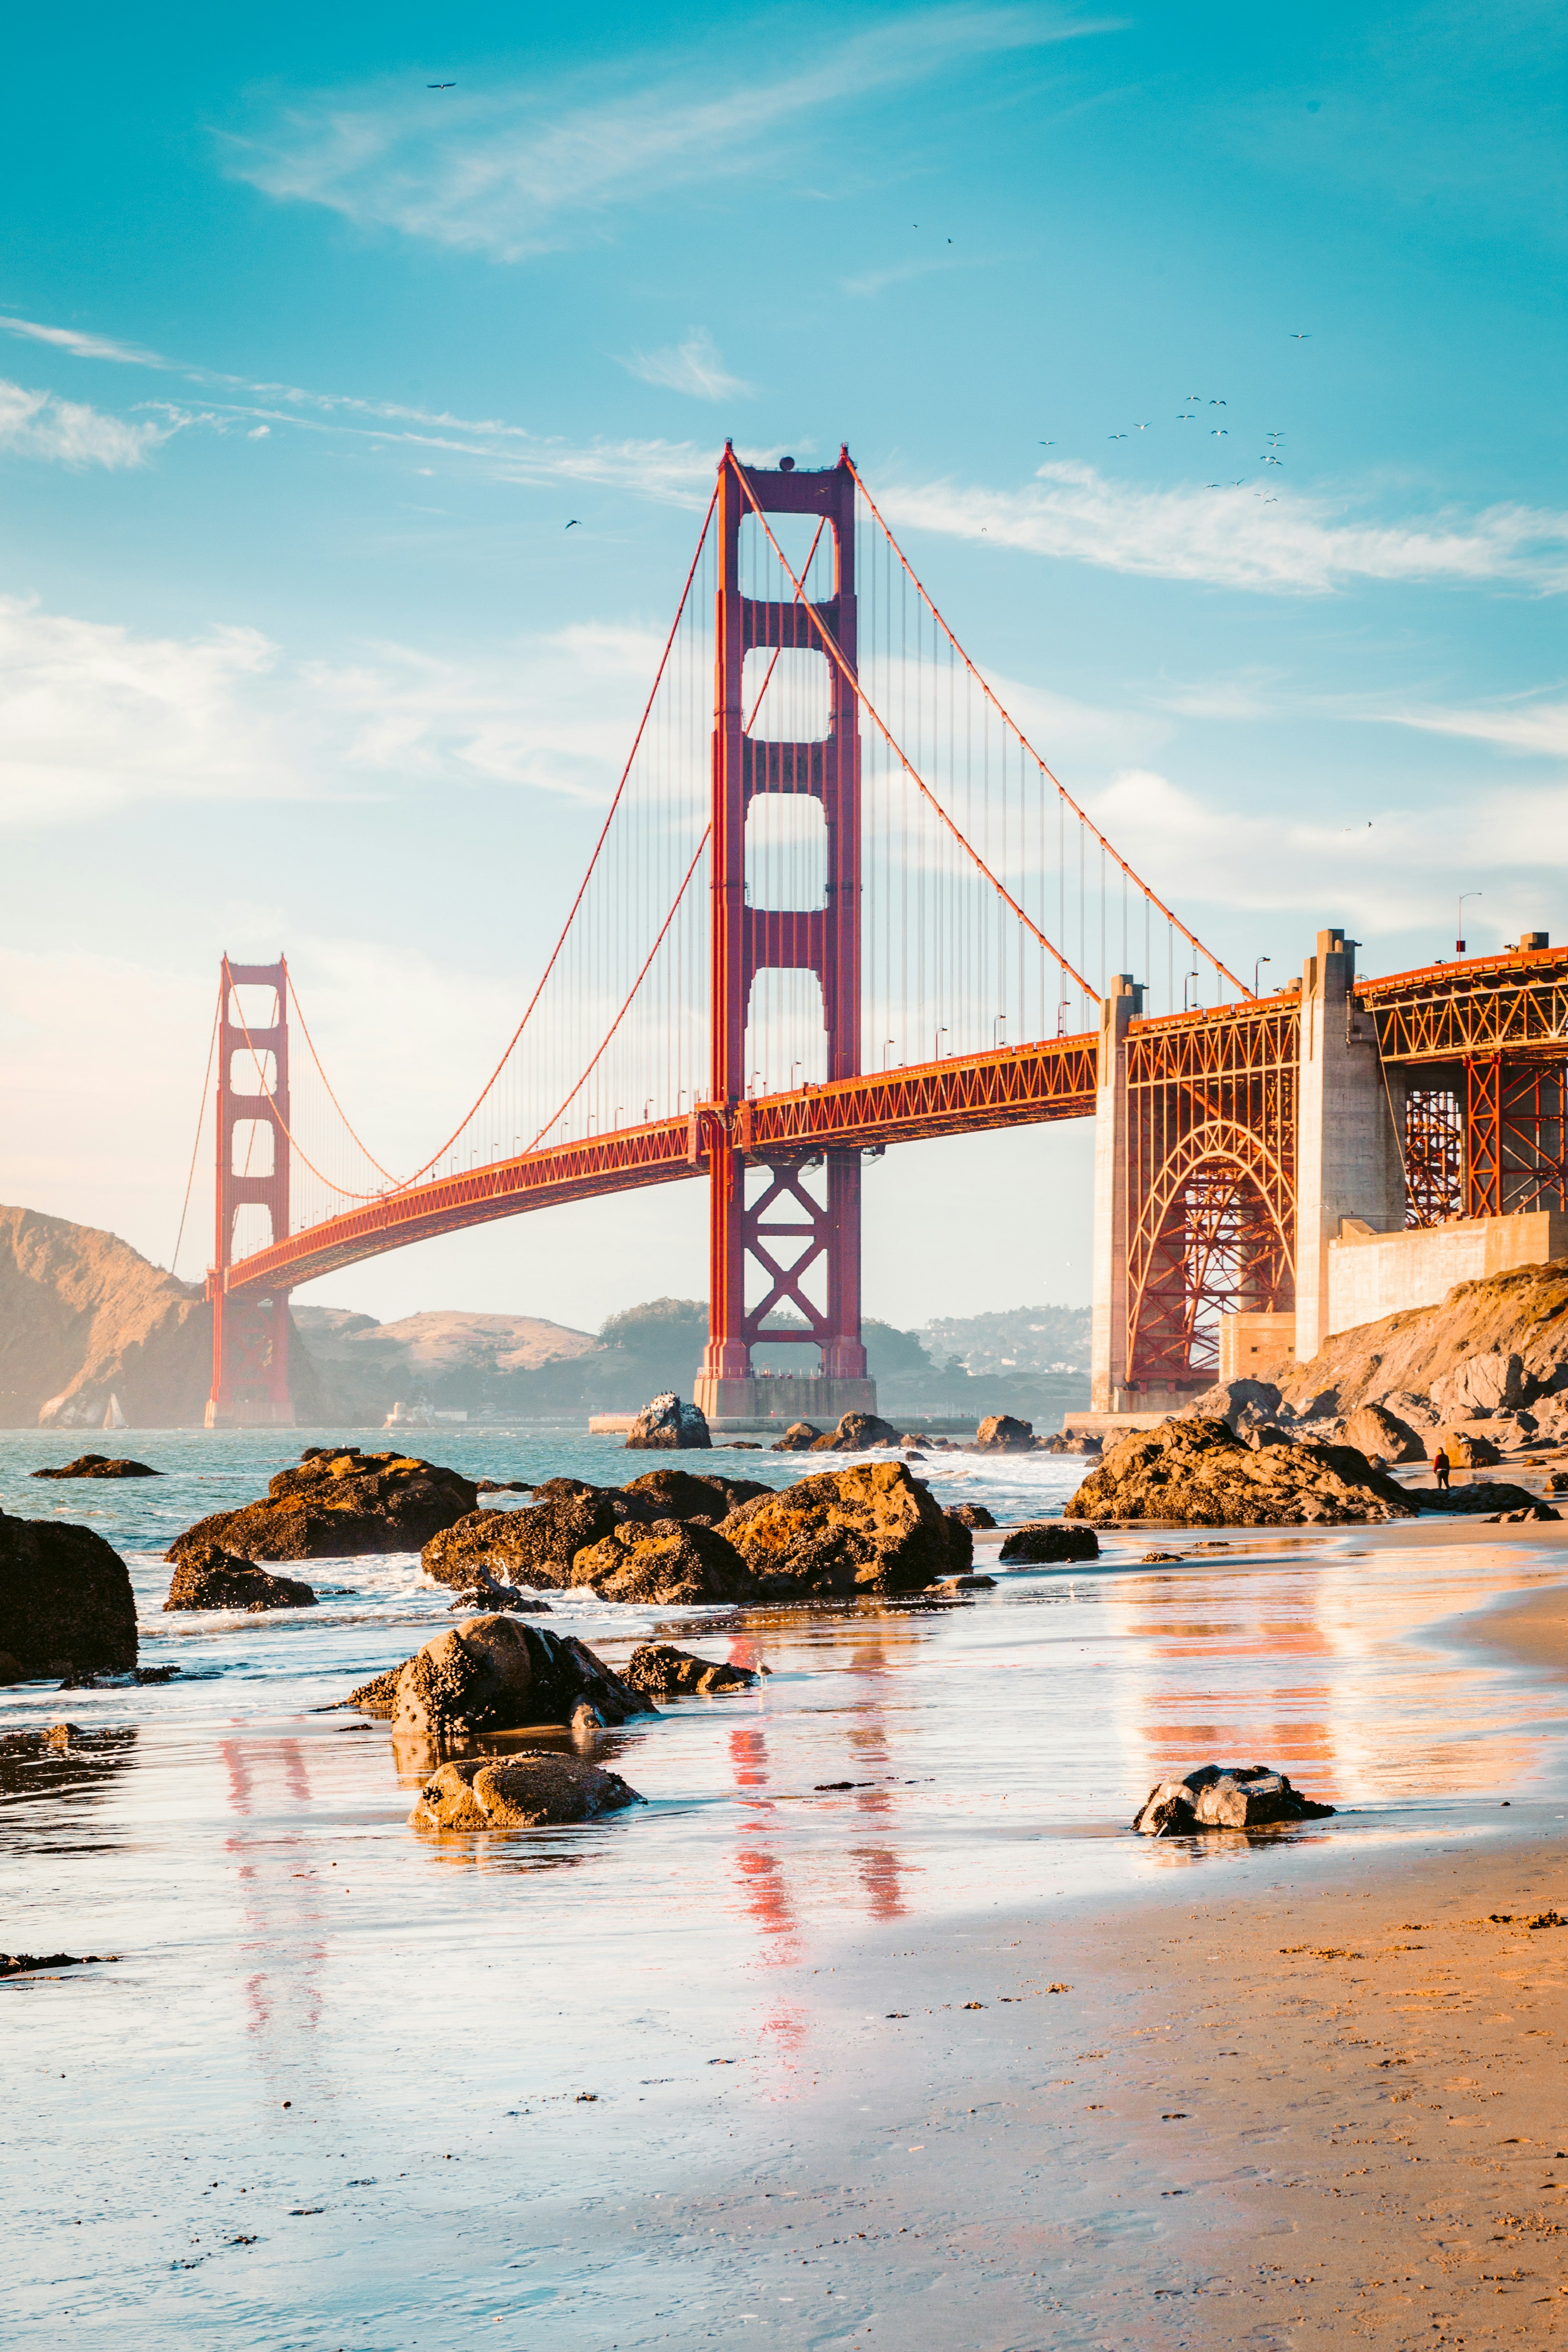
(250, 1333)
(747, 939)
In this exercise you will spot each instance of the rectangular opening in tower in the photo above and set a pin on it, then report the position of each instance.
(806, 544)
(786, 852)
(251, 1147)
(785, 1035)
(253, 1005)
(787, 694)
(252, 1074)
(251, 1230)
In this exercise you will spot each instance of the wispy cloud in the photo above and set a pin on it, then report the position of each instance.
(83, 346)
(95, 717)
(68, 433)
(1536, 728)
(1232, 538)
(696, 366)
(533, 167)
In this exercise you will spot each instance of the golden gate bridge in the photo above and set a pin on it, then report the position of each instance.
(841, 901)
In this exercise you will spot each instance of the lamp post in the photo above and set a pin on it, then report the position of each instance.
(1257, 963)
(1459, 943)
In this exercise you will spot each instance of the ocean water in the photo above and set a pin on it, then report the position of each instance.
(349, 2083)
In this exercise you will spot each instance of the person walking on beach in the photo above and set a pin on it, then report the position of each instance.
(1440, 1470)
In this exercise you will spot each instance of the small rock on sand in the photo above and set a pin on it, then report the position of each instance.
(526, 1792)
(1041, 1541)
(662, 1671)
(1224, 1797)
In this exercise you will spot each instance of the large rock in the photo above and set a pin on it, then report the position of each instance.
(65, 1603)
(799, 1438)
(668, 1564)
(1224, 1797)
(534, 1546)
(1481, 1497)
(1475, 1389)
(496, 1674)
(207, 1577)
(98, 1465)
(1198, 1474)
(856, 1433)
(1466, 1449)
(1372, 1429)
(871, 1529)
(1041, 1542)
(533, 1791)
(337, 1502)
(970, 1514)
(692, 1494)
(662, 1671)
(1001, 1433)
(1228, 1399)
(667, 1423)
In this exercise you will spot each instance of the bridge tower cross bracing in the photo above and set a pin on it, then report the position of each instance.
(250, 1333)
(746, 939)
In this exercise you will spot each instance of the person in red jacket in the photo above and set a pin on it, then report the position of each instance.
(1440, 1470)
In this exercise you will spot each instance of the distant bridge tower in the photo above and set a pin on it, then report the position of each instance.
(250, 1334)
(821, 1237)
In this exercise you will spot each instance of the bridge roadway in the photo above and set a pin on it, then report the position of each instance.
(1513, 1004)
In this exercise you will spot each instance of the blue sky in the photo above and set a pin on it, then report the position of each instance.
(304, 367)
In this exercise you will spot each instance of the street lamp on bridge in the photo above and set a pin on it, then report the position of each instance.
(1459, 943)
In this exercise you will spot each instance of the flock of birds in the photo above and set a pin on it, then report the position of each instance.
(1268, 456)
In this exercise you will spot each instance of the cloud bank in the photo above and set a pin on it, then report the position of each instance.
(68, 433)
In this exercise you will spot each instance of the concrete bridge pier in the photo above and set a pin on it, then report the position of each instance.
(1350, 1118)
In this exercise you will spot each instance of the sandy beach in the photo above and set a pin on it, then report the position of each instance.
(874, 2025)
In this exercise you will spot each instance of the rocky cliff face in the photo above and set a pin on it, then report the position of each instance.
(84, 1317)
(1456, 1354)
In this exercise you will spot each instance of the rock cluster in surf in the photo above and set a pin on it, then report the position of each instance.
(1197, 1473)
(98, 1465)
(207, 1577)
(339, 1501)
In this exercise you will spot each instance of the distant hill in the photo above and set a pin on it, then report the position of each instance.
(501, 1364)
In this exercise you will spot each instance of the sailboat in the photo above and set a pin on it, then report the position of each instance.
(112, 1416)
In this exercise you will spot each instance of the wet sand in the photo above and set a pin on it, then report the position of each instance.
(875, 2026)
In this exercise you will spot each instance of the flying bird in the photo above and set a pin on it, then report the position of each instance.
(1045, 445)
(1220, 432)
(1219, 403)
(1301, 339)
(574, 524)
(441, 84)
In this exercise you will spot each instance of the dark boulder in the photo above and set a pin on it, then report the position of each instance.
(1198, 1473)
(1041, 1541)
(207, 1577)
(487, 1597)
(533, 1546)
(667, 1564)
(1224, 1797)
(970, 1514)
(1479, 1498)
(65, 1603)
(692, 1494)
(1001, 1433)
(667, 1423)
(661, 1671)
(853, 1533)
(857, 1433)
(495, 1674)
(535, 1790)
(98, 1465)
(799, 1438)
(502, 1487)
(337, 1503)
(1372, 1429)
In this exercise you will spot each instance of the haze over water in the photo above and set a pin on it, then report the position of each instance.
(716, 1969)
